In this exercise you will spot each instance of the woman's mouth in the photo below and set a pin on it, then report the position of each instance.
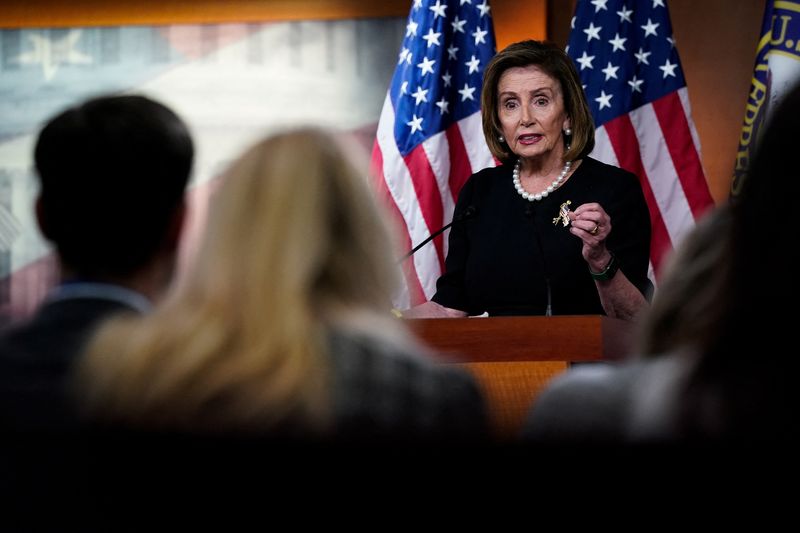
(529, 138)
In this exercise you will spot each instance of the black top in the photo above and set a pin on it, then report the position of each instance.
(502, 259)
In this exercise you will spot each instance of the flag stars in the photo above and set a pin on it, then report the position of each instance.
(415, 123)
(443, 105)
(604, 99)
(669, 68)
(467, 93)
(403, 54)
(671, 42)
(636, 85)
(473, 64)
(451, 41)
(641, 57)
(599, 4)
(438, 9)
(446, 78)
(592, 32)
(426, 66)
(650, 27)
(585, 60)
(625, 15)
(451, 52)
(432, 38)
(610, 71)
(458, 25)
(618, 42)
(53, 53)
(480, 36)
(657, 3)
(420, 95)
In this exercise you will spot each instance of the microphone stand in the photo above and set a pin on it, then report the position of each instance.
(468, 212)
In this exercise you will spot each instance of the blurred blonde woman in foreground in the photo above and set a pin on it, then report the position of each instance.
(282, 325)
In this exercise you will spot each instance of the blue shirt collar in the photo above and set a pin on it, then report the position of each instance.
(103, 291)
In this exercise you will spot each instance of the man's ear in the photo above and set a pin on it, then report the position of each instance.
(172, 239)
(41, 219)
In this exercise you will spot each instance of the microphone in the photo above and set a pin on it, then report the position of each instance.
(469, 212)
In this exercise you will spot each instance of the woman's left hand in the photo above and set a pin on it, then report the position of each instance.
(592, 225)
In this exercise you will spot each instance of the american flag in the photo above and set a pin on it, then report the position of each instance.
(429, 137)
(629, 66)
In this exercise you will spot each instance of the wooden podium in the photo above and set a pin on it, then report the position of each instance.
(513, 358)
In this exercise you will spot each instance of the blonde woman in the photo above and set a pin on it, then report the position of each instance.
(282, 324)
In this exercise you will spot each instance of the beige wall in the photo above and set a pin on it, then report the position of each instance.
(717, 41)
(513, 19)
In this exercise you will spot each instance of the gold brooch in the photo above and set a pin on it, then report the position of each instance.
(563, 214)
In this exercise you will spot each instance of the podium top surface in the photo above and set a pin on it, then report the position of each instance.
(526, 338)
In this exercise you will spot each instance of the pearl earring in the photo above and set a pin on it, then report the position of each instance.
(568, 132)
(501, 138)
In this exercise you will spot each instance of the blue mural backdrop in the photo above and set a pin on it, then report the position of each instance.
(231, 82)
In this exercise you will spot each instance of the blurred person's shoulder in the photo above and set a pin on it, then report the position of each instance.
(608, 403)
(385, 386)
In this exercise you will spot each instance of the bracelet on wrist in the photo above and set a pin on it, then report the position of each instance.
(608, 272)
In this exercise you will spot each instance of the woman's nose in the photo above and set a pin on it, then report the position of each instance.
(526, 118)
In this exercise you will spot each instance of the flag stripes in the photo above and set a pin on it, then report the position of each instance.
(641, 109)
(430, 138)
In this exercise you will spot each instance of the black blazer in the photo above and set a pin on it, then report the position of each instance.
(44, 456)
(36, 357)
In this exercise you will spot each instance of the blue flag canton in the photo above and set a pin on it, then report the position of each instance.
(440, 67)
(625, 54)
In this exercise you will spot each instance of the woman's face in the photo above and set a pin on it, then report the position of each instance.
(531, 112)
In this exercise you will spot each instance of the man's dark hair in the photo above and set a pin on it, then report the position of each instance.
(113, 172)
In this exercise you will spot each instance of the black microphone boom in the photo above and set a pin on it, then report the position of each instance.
(469, 212)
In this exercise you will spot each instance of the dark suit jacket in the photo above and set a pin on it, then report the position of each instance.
(43, 453)
(36, 357)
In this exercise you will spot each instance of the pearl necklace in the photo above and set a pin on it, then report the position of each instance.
(550, 188)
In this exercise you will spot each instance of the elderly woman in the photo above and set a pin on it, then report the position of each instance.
(554, 231)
